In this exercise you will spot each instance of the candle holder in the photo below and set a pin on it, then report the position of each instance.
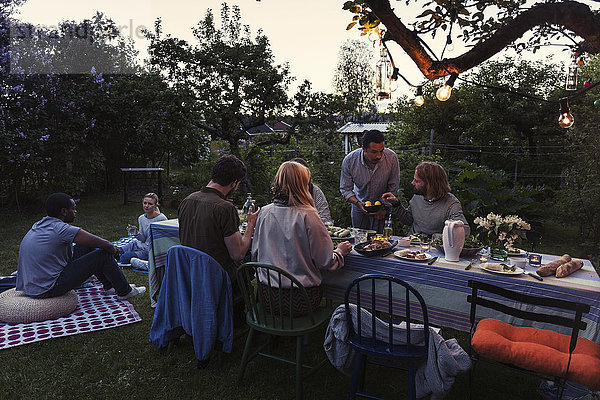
(483, 258)
(535, 260)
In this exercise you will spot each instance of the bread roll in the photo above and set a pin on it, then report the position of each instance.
(568, 268)
(550, 268)
(493, 266)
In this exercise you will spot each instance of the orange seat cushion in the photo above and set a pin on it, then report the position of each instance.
(538, 350)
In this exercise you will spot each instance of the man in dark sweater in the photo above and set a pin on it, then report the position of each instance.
(432, 203)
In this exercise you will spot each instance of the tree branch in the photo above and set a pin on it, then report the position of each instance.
(572, 15)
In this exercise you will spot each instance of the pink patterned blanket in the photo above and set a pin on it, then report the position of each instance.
(96, 310)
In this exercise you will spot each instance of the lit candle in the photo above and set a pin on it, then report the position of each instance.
(535, 259)
(483, 258)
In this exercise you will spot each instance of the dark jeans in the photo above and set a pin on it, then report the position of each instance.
(85, 263)
(127, 256)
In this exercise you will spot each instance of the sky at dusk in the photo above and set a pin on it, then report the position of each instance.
(307, 34)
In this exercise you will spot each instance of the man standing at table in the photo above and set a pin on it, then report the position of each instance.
(367, 173)
(49, 264)
(432, 203)
(210, 223)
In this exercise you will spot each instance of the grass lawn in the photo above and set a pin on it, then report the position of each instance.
(121, 363)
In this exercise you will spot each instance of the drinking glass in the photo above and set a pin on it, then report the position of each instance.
(360, 236)
(132, 230)
(425, 243)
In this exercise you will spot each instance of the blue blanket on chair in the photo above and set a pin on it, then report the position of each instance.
(195, 298)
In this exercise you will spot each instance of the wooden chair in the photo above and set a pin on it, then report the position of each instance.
(371, 347)
(541, 352)
(270, 309)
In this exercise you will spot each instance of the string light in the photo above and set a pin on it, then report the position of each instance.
(419, 99)
(445, 91)
(565, 119)
(449, 44)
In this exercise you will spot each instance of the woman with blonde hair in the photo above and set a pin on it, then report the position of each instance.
(290, 234)
(136, 251)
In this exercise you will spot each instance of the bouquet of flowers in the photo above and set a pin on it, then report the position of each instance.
(501, 231)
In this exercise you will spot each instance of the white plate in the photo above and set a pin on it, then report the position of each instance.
(398, 254)
(521, 253)
(350, 236)
(517, 271)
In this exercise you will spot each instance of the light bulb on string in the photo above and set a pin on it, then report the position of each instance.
(587, 83)
(419, 99)
(565, 119)
(449, 44)
(445, 91)
(597, 103)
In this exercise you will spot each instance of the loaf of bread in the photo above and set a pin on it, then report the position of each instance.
(550, 268)
(568, 268)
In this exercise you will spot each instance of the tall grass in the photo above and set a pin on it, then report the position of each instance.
(121, 363)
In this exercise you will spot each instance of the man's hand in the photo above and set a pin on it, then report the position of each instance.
(390, 198)
(344, 248)
(252, 216)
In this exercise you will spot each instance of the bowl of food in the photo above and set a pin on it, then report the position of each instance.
(375, 247)
(471, 247)
(372, 207)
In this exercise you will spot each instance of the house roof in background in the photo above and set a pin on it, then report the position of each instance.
(281, 126)
(259, 130)
(359, 127)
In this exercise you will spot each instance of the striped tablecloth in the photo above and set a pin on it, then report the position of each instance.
(164, 234)
(443, 285)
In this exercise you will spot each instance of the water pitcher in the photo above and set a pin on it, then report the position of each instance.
(454, 239)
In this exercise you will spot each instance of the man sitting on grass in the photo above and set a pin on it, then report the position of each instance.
(49, 264)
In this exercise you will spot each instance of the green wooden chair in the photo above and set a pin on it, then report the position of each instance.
(276, 317)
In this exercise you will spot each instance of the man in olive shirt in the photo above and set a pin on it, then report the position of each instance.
(210, 223)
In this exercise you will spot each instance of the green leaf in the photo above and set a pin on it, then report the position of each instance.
(350, 25)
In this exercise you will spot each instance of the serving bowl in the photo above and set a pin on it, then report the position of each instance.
(373, 208)
(465, 252)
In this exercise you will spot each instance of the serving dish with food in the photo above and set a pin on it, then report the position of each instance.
(372, 207)
(375, 247)
(413, 255)
(338, 233)
(517, 253)
(501, 268)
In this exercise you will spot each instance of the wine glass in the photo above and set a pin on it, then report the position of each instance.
(425, 243)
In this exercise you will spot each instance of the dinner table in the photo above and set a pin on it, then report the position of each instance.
(443, 284)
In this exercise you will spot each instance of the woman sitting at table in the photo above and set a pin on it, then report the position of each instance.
(290, 235)
(136, 251)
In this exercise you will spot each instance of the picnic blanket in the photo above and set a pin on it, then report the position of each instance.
(95, 311)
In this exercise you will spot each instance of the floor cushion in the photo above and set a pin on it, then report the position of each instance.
(18, 308)
(538, 350)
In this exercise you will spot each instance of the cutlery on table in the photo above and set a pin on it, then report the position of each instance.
(533, 274)
(434, 259)
(468, 267)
